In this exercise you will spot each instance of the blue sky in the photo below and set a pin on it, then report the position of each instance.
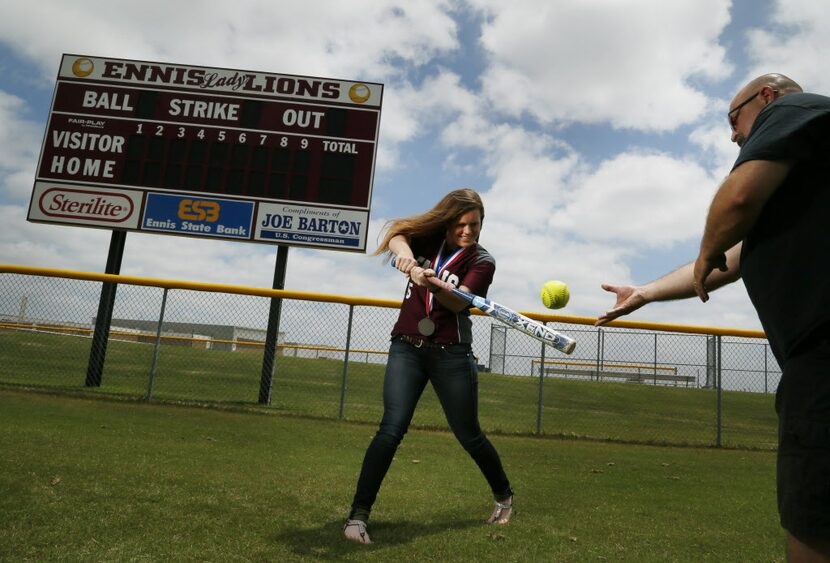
(594, 129)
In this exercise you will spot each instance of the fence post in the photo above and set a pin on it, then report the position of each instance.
(600, 352)
(541, 389)
(655, 358)
(718, 381)
(106, 304)
(272, 331)
(766, 389)
(156, 348)
(346, 362)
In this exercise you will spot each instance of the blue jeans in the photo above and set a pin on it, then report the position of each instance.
(452, 371)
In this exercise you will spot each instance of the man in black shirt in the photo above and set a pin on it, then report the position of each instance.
(768, 224)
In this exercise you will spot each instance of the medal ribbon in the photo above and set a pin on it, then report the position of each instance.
(440, 267)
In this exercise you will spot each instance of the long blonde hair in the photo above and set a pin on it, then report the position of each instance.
(434, 222)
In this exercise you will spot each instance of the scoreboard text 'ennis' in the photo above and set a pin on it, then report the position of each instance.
(197, 151)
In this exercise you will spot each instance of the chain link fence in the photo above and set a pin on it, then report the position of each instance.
(175, 343)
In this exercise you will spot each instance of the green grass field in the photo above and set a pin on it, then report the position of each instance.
(311, 388)
(96, 479)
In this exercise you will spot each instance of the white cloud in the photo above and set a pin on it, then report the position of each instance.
(20, 139)
(626, 63)
(409, 110)
(796, 46)
(713, 138)
(528, 185)
(50, 246)
(359, 39)
(644, 199)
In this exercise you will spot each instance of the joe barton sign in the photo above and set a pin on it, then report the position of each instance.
(209, 152)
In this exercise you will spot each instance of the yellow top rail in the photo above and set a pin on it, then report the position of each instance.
(197, 286)
(367, 301)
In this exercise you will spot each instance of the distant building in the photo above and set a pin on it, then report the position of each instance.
(199, 335)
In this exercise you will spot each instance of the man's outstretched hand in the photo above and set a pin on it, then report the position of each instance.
(629, 299)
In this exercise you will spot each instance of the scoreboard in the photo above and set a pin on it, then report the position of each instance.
(209, 152)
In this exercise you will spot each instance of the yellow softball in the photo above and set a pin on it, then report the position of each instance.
(555, 294)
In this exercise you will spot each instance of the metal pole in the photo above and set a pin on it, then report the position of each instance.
(21, 315)
(156, 349)
(655, 358)
(766, 389)
(272, 332)
(599, 352)
(718, 380)
(541, 389)
(491, 349)
(106, 303)
(346, 362)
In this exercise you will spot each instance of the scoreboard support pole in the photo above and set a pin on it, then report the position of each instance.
(272, 333)
(103, 320)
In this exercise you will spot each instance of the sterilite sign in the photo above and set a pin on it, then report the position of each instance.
(196, 151)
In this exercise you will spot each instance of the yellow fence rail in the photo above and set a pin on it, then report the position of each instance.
(347, 300)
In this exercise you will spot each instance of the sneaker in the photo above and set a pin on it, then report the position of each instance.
(355, 530)
(502, 512)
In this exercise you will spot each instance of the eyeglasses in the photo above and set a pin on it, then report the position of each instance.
(732, 116)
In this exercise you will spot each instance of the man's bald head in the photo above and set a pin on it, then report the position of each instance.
(752, 98)
(783, 84)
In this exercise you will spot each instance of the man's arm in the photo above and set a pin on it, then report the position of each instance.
(734, 210)
(679, 284)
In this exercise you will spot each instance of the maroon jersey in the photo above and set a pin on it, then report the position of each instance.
(473, 267)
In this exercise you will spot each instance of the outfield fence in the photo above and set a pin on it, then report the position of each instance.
(204, 343)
